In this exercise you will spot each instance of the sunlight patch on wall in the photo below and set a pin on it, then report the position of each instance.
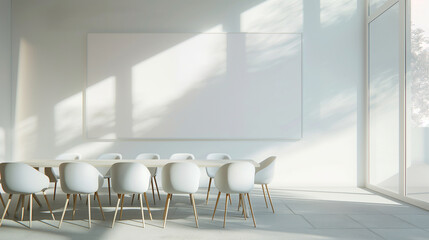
(154, 88)
(25, 138)
(334, 11)
(91, 150)
(68, 119)
(264, 51)
(100, 107)
(273, 16)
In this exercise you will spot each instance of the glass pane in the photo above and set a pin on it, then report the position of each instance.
(418, 102)
(375, 4)
(384, 99)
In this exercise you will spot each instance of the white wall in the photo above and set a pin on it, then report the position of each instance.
(5, 79)
(49, 70)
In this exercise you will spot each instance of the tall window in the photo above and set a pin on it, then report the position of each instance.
(417, 84)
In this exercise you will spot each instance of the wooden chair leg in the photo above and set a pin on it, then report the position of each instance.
(108, 186)
(28, 204)
(99, 204)
(49, 206)
(167, 203)
(230, 202)
(3, 203)
(74, 205)
(153, 191)
(239, 202)
(80, 197)
(64, 211)
(55, 189)
(141, 209)
(22, 206)
(147, 205)
(17, 205)
(251, 210)
(208, 191)
(157, 189)
(122, 206)
(31, 209)
(132, 199)
(116, 211)
(37, 200)
(271, 202)
(217, 200)
(195, 210)
(226, 206)
(244, 212)
(5, 209)
(89, 211)
(265, 197)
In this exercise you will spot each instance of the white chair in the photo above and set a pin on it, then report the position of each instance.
(105, 171)
(235, 178)
(21, 179)
(56, 171)
(182, 156)
(130, 178)
(180, 178)
(264, 175)
(80, 178)
(211, 171)
(153, 171)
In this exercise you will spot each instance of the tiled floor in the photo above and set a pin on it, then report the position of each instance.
(328, 213)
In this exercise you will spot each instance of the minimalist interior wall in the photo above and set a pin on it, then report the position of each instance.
(192, 86)
(5, 79)
(49, 71)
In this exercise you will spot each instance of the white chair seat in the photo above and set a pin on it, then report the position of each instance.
(180, 178)
(153, 172)
(80, 178)
(264, 175)
(130, 178)
(211, 171)
(21, 179)
(235, 178)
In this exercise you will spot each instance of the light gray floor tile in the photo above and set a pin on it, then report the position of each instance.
(421, 221)
(402, 234)
(381, 221)
(332, 221)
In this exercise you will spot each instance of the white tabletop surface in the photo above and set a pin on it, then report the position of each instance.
(146, 162)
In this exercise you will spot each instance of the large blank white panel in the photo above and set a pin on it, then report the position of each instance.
(194, 86)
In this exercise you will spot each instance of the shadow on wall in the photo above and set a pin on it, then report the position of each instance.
(50, 123)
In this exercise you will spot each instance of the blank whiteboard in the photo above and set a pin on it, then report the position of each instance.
(223, 86)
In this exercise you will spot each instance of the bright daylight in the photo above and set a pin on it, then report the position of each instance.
(214, 119)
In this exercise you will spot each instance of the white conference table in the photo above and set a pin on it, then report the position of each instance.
(45, 163)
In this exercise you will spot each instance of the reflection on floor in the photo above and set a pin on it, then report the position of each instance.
(317, 213)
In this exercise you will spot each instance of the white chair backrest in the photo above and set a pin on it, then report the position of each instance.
(80, 178)
(211, 171)
(20, 178)
(236, 177)
(182, 177)
(148, 156)
(64, 157)
(182, 156)
(130, 178)
(265, 172)
(105, 171)
(112, 156)
(69, 156)
(153, 170)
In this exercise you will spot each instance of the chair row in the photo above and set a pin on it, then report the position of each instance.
(133, 178)
(264, 174)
